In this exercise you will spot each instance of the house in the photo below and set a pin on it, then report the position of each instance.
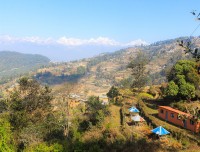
(174, 116)
(104, 99)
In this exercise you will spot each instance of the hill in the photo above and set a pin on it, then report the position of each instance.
(99, 73)
(13, 64)
(93, 124)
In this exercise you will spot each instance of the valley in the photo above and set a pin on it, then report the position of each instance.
(99, 76)
(101, 72)
(79, 103)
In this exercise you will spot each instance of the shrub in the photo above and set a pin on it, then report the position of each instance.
(5, 136)
(43, 147)
(145, 96)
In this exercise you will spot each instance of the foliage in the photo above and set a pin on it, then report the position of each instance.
(172, 89)
(195, 112)
(6, 142)
(97, 111)
(183, 80)
(188, 48)
(30, 113)
(3, 105)
(113, 92)
(29, 102)
(152, 91)
(137, 67)
(144, 96)
(179, 105)
(43, 147)
(81, 70)
(126, 82)
(187, 91)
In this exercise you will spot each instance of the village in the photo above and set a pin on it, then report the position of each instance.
(142, 118)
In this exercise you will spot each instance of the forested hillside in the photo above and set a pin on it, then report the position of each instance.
(105, 70)
(13, 64)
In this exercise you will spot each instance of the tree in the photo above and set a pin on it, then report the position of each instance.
(137, 67)
(187, 44)
(64, 109)
(30, 112)
(97, 111)
(113, 92)
(187, 91)
(188, 48)
(172, 89)
(81, 70)
(183, 80)
(30, 102)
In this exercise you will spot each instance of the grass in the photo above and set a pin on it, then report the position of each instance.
(114, 119)
(144, 95)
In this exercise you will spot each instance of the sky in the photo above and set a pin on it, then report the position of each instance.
(108, 24)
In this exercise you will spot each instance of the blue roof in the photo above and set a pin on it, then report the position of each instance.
(133, 109)
(160, 131)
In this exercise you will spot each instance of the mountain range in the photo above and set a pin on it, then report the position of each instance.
(64, 49)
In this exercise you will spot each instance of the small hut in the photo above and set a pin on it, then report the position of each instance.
(133, 110)
(137, 119)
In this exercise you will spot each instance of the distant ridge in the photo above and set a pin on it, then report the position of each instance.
(13, 63)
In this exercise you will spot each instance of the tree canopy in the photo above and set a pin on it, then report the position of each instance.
(137, 67)
(30, 113)
(183, 80)
(113, 92)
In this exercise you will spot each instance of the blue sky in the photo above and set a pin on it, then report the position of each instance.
(110, 21)
(122, 20)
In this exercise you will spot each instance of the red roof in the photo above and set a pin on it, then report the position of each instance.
(174, 110)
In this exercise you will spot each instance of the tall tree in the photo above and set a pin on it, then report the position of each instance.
(138, 68)
(64, 107)
(30, 110)
(96, 110)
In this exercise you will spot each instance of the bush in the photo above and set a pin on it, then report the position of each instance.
(43, 147)
(179, 105)
(6, 143)
(145, 96)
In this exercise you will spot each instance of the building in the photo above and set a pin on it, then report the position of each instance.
(104, 99)
(173, 115)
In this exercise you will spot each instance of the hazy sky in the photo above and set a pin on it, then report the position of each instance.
(102, 22)
(121, 20)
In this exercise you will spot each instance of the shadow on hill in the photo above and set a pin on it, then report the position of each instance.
(50, 79)
(158, 102)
